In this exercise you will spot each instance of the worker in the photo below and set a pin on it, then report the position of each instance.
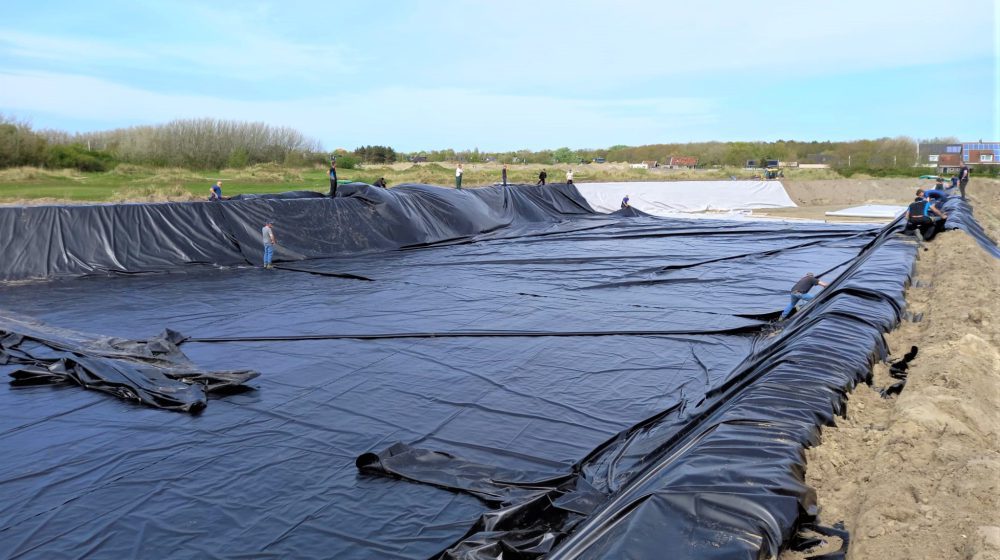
(800, 291)
(458, 177)
(267, 234)
(503, 174)
(380, 183)
(569, 177)
(935, 196)
(920, 221)
(215, 192)
(625, 202)
(542, 176)
(333, 176)
(963, 179)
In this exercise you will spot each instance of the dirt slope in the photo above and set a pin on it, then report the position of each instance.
(918, 476)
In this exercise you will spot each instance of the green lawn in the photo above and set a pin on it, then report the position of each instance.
(137, 183)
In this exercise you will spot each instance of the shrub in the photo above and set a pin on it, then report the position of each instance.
(347, 162)
(76, 156)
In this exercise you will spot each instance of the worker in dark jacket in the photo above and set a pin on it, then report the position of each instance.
(800, 291)
(963, 179)
(919, 219)
(333, 177)
(542, 176)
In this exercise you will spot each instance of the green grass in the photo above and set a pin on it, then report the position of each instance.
(139, 183)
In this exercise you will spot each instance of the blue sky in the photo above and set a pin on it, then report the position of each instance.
(513, 74)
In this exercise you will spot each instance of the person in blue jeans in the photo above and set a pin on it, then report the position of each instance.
(267, 233)
(800, 291)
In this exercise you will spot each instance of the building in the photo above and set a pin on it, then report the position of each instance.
(937, 155)
(980, 153)
(683, 161)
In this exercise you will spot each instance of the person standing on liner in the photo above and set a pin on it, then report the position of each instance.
(569, 177)
(503, 174)
(458, 177)
(542, 176)
(963, 180)
(800, 291)
(333, 177)
(267, 234)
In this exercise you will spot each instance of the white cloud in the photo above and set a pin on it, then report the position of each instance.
(65, 49)
(237, 47)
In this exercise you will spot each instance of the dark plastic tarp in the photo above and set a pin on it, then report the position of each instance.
(475, 373)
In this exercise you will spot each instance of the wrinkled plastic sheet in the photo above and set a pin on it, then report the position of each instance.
(869, 211)
(960, 217)
(469, 374)
(666, 198)
(154, 372)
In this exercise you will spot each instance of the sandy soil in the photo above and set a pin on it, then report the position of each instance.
(918, 475)
(817, 197)
(851, 192)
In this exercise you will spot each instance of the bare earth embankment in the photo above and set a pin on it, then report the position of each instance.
(918, 475)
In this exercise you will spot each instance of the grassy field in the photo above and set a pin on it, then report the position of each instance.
(137, 183)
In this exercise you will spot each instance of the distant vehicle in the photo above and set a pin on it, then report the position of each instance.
(771, 163)
(599, 160)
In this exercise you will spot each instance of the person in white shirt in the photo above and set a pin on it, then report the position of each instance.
(569, 177)
(267, 235)
(458, 177)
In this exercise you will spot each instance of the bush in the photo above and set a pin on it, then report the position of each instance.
(19, 145)
(238, 158)
(76, 156)
(347, 162)
(848, 172)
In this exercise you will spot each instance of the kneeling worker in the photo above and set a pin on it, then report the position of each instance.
(920, 221)
(800, 291)
(215, 192)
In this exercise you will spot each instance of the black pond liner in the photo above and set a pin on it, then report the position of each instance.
(724, 479)
(582, 385)
(153, 372)
(960, 217)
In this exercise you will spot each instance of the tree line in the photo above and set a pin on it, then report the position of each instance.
(216, 144)
(189, 143)
(883, 154)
